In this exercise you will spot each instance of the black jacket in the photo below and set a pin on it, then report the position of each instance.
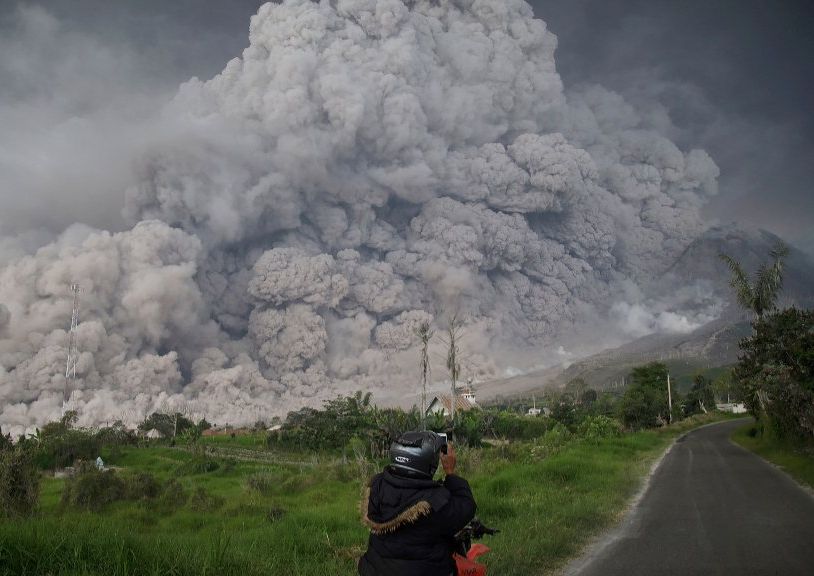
(412, 524)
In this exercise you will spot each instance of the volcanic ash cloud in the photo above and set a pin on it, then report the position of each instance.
(364, 166)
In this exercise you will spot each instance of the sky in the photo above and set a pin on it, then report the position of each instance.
(730, 76)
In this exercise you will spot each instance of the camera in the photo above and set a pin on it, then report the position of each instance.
(441, 442)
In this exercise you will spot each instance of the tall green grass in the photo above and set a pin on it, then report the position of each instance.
(547, 497)
(796, 458)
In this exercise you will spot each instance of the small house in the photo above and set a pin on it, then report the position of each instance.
(443, 405)
(733, 407)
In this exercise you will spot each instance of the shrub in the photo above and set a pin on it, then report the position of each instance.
(513, 426)
(59, 447)
(197, 465)
(19, 482)
(261, 483)
(203, 501)
(558, 436)
(173, 495)
(142, 486)
(116, 435)
(553, 441)
(93, 489)
(468, 429)
(598, 427)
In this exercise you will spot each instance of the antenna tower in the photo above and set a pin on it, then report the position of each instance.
(73, 354)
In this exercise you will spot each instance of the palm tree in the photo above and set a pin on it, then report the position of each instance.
(453, 337)
(424, 334)
(760, 295)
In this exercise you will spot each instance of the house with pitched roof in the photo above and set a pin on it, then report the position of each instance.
(464, 401)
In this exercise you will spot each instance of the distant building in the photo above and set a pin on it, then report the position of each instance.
(733, 407)
(464, 402)
(534, 411)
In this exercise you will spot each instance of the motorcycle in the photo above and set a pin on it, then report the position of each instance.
(466, 553)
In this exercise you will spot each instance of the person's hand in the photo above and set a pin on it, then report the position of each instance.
(448, 460)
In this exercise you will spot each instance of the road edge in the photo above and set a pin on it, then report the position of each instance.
(603, 541)
(804, 487)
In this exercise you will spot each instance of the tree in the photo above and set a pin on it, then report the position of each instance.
(564, 411)
(725, 389)
(606, 404)
(424, 334)
(776, 371)
(576, 386)
(168, 425)
(759, 295)
(454, 329)
(588, 397)
(700, 397)
(644, 404)
(59, 444)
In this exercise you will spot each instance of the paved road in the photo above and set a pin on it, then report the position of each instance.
(712, 508)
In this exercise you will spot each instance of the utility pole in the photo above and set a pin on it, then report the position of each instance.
(73, 355)
(669, 400)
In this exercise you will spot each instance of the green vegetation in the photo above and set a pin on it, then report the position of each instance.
(644, 404)
(701, 396)
(244, 505)
(775, 372)
(758, 295)
(19, 480)
(794, 457)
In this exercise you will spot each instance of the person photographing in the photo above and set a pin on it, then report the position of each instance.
(412, 518)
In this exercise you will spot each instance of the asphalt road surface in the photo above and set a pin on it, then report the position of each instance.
(711, 508)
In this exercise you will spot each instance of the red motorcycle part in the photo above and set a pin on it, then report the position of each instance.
(467, 566)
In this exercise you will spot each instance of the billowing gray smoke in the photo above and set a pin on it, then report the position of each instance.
(366, 165)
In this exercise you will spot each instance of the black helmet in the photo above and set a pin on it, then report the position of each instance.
(415, 454)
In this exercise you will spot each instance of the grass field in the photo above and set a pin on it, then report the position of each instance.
(796, 459)
(258, 517)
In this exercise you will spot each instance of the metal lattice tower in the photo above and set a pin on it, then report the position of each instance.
(73, 354)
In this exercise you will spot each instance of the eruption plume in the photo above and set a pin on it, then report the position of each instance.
(365, 166)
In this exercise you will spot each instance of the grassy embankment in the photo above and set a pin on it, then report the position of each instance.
(548, 497)
(794, 458)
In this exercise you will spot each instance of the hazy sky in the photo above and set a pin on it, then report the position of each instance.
(731, 76)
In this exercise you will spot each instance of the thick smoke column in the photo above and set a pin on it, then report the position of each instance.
(365, 166)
